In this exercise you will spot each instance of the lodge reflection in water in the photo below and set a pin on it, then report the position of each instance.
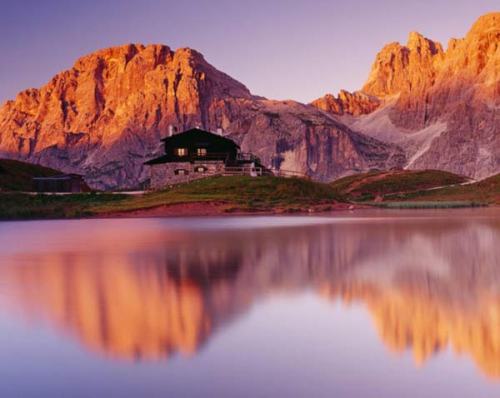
(426, 285)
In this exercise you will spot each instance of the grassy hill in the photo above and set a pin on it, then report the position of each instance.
(263, 194)
(245, 192)
(17, 176)
(237, 193)
(485, 191)
(384, 185)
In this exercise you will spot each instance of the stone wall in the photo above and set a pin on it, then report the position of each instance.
(165, 174)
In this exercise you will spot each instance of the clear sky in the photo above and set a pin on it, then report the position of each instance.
(281, 49)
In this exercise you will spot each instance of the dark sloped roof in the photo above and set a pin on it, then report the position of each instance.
(198, 133)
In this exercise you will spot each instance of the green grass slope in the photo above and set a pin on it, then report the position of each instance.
(17, 176)
(486, 191)
(240, 193)
(275, 194)
(21, 206)
(385, 184)
(246, 193)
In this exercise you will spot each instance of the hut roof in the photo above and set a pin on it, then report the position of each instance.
(197, 134)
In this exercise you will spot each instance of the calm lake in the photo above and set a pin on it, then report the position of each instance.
(370, 303)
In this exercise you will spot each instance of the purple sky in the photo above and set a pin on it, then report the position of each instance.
(282, 49)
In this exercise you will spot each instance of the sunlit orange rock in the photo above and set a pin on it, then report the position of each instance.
(104, 118)
(440, 105)
(347, 103)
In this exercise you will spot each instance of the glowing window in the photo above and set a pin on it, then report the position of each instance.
(181, 151)
(201, 151)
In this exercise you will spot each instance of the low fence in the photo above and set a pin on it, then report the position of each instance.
(260, 171)
(289, 174)
(243, 171)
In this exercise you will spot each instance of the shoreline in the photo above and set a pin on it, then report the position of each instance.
(210, 209)
(200, 210)
(228, 209)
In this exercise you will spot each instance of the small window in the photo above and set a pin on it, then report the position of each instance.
(181, 152)
(200, 169)
(181, 172)
(201, 151)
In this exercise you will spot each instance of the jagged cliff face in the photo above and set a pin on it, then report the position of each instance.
(347, 103)
(104, 117)
(441, 106)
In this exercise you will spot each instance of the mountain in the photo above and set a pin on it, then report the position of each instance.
(105, 116)
(441, 107)
(421, 107)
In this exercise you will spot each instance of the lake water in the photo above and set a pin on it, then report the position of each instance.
(369, 303)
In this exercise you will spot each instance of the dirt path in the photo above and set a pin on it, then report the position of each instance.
(358, 183)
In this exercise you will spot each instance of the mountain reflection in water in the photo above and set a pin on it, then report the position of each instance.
(147, 291)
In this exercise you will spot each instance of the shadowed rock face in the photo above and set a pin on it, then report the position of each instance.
(104, 117)
(441, 106)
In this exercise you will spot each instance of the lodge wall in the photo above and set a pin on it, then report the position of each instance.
(164, 174)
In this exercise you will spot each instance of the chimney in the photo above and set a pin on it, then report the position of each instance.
(220, 131)
(170, 130)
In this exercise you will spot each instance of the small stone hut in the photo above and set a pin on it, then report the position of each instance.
(195, 154)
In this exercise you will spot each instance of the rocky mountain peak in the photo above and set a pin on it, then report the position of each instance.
(485, 24)
(423, 64)
(347, 103)
(418, 43)
(104, 118)
(442, 106)
(399, 68)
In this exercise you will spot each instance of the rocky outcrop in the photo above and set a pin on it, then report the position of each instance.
(347, 103)
(104, 117)
(291, 136)
(403, 69)
(441, 106)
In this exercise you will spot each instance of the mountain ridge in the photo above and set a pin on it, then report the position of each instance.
(105, 116)
(421, 107)
(454, 93)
